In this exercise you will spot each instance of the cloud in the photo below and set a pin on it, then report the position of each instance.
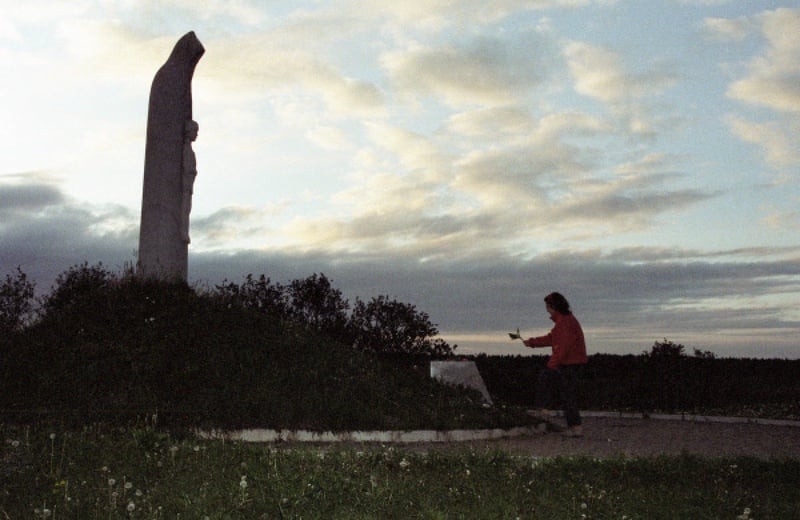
(704, 2)
(255, 64)
(45, 232)
(599, 73)
(245, 12)
(23, 198)
(494, 121)
(778, 142)
(727, 29)
(773, 78)
(433, 17)
(484, 71)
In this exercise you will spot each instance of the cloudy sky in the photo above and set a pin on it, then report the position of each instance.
(466, 156)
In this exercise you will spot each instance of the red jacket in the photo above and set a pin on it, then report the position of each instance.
(566, 338)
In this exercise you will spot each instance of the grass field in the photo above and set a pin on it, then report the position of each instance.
(150, 474)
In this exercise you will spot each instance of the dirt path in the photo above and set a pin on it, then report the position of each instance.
(608, 437)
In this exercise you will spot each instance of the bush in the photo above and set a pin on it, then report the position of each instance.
(392, 327)
(78, 285)
(16, 302)
(322, 309)
(258, 295)
(381, 325)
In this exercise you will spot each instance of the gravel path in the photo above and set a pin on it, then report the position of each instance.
(609, 437)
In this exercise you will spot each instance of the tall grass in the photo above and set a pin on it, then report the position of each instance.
(131, 473)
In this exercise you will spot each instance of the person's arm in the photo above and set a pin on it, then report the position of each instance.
(541, 341)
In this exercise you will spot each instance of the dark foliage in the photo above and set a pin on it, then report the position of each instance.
(316, 304)
(313, 304)
(662, 380)
(259, 295)
(120, 349)
(392, 327)
(16, 302)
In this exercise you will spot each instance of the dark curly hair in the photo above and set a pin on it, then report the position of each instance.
(558, 302)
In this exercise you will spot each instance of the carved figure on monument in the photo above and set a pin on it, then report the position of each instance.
(169, 166)
(189, 171)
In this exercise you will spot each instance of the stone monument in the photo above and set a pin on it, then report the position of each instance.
(169, 166)
(460, 373)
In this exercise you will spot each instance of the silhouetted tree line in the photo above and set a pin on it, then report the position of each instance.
(663, 379)
(381, 324)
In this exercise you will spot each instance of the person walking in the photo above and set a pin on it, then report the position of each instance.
(560, 377)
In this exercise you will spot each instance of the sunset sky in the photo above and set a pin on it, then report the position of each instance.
(466, 156)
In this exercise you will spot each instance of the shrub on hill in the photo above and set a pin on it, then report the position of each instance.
(117, 349)
(16, 302)
(381, 325)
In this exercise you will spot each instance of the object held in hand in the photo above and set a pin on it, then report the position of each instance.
(515, 335)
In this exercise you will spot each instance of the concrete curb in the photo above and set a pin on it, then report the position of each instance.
(690, 418)
(394, 437)
(437, 436)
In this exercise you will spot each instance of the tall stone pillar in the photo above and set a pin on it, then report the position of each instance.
(169, 166)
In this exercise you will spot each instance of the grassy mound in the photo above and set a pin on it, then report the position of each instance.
(131, 351)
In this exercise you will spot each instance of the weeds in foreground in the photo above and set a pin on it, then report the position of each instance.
(145, 473)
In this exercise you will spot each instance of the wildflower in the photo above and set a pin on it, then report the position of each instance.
(52, 436)
(404, 463)
(128, 485)
(243, 482)
(131, 507)
(15, 444)
(111, 482)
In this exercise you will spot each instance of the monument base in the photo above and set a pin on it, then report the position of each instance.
(463, 373)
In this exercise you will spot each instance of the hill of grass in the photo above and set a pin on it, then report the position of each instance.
(131, 351)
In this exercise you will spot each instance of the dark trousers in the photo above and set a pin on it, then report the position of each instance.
(563, 384)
